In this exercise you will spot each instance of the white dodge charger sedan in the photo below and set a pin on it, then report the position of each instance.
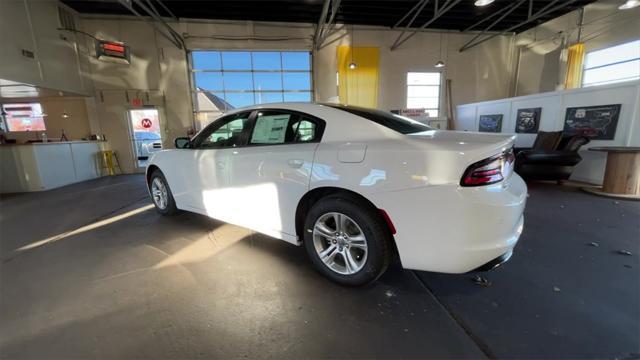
(352, 185)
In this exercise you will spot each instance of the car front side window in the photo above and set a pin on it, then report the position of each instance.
(226, 132)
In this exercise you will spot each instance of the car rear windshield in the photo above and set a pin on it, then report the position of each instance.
(394, 122)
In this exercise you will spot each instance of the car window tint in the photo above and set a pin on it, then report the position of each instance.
(226, 132)
(394, 122)
(272, 127)
(304, 130)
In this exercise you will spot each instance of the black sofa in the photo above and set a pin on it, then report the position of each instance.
(551, 158)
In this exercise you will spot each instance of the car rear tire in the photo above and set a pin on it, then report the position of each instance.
(346, 240)
(161, 194)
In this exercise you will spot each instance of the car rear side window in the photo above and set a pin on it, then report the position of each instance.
(272, 127)
(394, 122)
(305, 130)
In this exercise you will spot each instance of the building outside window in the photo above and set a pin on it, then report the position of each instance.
(423, 92)
(224, 80)
(613, 64)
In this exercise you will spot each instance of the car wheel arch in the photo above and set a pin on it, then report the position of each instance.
(150, 171)
(314, 195)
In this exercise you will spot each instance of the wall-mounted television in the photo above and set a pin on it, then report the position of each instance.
(23, 117)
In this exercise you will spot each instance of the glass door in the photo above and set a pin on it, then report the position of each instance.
(146, 137)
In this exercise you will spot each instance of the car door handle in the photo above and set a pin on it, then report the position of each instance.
(295, 163)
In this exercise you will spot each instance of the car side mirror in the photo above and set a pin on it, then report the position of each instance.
(182, 142)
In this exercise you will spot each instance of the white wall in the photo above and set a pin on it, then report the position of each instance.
(554, 105)
(543, 48)
(483, 72)
(58, 62)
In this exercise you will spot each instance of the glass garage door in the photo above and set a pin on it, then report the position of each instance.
(224, 80)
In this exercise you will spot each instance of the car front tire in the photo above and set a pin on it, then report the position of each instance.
(346, 240)
(161, 194)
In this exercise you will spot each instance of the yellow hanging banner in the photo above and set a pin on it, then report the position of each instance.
(575, 60)
(358, 86)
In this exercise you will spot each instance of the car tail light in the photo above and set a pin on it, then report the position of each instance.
(490, 170)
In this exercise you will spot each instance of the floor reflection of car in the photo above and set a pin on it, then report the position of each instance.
(147, 143)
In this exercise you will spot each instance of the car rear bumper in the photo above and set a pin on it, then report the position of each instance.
(495, 262)
(453, 229)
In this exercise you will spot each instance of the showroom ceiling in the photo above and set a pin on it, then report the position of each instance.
(460, 15)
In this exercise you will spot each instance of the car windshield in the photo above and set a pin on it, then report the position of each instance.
(394, 122)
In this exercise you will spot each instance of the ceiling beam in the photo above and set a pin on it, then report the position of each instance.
(446, 7)
(326, 28)
(167, 10)
(424, 3)
(487, 18)
(321, 21)
(544, 11)
(156, 22)
(509, 10)
(409, 13)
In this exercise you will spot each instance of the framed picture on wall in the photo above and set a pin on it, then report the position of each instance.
(490, 123)
(528, 120)
(596, 122)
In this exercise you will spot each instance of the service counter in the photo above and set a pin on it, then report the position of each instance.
(44, 166)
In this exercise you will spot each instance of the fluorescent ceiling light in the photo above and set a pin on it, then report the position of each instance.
(630, 4)
(483, 2)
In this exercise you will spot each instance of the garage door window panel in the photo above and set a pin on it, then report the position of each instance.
(209, 81)
(296, 60)
(238, 81)
(224, 80)
(304, 96)
(265, 97)
(266, 61)
(236, 60)
(267, 81)
(296, 81)
(206, 60)
(240, 99)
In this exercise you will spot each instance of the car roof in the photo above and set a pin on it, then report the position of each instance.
(299, 106)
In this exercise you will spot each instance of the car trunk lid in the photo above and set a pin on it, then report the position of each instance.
(464, 141)
(452, 152)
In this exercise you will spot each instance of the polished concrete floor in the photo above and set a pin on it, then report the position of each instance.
(91, 271)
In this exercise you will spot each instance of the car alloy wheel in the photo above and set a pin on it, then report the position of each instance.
(340, 243)
(159, 193)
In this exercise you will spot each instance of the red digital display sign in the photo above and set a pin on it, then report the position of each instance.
(112, 51)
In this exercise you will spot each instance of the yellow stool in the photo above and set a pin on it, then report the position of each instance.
(109, 161)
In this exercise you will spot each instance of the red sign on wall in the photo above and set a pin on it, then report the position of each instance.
(136, 102)
(146, 123)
